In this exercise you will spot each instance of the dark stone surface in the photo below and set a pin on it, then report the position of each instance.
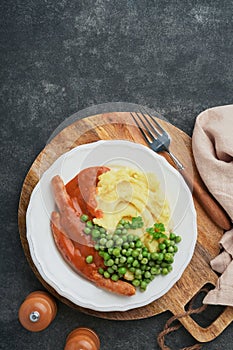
(58, 57)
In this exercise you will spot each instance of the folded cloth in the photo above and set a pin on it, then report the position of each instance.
(212, 144)
(223, 263)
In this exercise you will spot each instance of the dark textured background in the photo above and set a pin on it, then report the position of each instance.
(58, 57)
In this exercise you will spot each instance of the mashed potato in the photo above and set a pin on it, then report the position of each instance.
(123, 193)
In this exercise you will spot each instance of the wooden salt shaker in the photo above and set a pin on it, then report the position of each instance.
(37, 311)
(82, 339)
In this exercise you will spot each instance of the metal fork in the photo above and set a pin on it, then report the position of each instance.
(159, 140)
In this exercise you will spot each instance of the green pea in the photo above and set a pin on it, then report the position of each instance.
(178, 239)
(130, 260)
(95, 233)
(135, 263)
(170, 249)
(101, 253)
(89, 224)
(138, 244)
(120, 225)
(96, 246)
(124, 239)
(119, 242)
(102, 230)
(110, 270)
(122, 270)
(122, 222)
(143, 285)
(84, 218)
(117, 261)
(87, 230)
(138, 272)
(130, 238)
(110, 262)
(136, 282)
(109, 243)
(124, 231)
(164, 271)
(168, 257)
(106, 256)
(135, 253)
(102, 241)
(145, 254)
(143, 267)
(106, 274)
(122, 259)
(147, 280)
(118, 231)
(144, 261)
(127, 225)
(151, 263)
(129, 252)
(155, 256)
(172, 236)
(132, 269)
(115, 277)
(140, 256)
(169, 268)
(116, 252)
(110, 250)
(124, 251)
(132, 244)
(175, 249)
(162, 246)
(167, 242)
(125, 245)
(115, 238)
(161, 256)
(155, 271)
(89, 259)
(147, 274)
(114, 267)
(101, 271)
(164, 264)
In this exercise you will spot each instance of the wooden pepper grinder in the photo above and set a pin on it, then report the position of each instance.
(82, 339)
(37, 311)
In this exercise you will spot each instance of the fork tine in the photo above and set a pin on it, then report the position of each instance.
(144, 124)
(141, 129)
(155, 131)
(154, 120)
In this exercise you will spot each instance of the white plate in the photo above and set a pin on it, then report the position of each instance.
(56, 272)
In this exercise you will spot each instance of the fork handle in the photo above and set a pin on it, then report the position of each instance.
(207, 201)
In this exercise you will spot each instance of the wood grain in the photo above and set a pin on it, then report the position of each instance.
(119, 125)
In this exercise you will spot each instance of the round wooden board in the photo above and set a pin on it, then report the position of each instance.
(120, 125)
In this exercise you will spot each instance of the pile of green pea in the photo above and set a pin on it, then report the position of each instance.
(126, 257)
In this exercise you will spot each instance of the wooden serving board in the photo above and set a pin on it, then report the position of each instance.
(120, 125)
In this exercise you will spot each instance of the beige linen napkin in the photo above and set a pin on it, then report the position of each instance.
(212, 144)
